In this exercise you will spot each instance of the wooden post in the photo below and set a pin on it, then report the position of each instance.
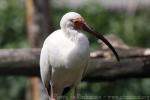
(32, 29)
(39, 25)
(39, 21)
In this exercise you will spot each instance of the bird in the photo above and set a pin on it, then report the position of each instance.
(65, 55)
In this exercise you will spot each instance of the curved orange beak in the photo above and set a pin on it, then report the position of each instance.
(86, 28)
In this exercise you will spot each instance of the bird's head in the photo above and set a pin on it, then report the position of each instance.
(71, 20)
(75, 21)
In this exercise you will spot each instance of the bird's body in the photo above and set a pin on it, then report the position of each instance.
(66, 57)
(65, 54)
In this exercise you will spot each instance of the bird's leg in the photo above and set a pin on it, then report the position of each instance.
(76, 93)
(52, 92)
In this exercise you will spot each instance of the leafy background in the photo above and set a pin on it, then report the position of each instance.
(134, 29)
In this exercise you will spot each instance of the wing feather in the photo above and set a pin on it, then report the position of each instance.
(45, 68)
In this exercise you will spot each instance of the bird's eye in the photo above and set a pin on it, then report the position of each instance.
(75, 21)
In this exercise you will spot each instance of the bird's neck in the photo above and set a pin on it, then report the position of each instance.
(72, 34)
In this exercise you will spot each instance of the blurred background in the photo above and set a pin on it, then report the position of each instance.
(128, 19)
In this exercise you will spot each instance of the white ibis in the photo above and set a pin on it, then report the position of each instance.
(65, 55)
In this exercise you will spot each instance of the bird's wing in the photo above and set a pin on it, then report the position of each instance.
(45, 68)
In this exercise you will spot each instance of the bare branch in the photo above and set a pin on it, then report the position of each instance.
(134, 64)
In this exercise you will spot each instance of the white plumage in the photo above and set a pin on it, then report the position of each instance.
(64, 56)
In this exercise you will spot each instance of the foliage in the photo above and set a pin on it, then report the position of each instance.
(12, 23)
(12, 88)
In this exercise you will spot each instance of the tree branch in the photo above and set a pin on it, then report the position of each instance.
(135, 63)
(22, 62)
